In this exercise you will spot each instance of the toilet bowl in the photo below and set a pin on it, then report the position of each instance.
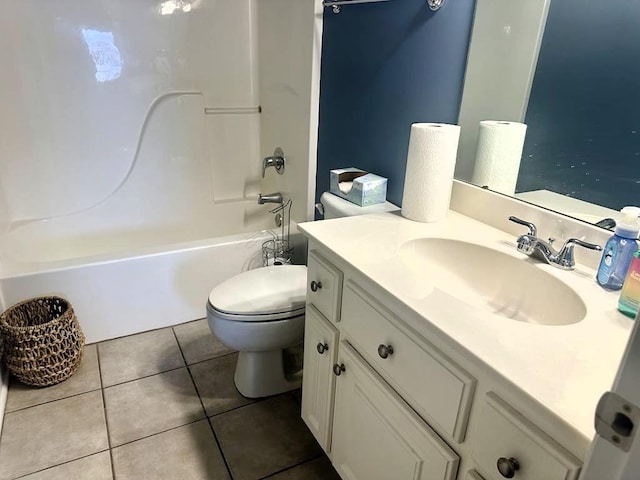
(260, 313)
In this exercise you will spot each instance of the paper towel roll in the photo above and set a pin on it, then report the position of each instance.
(498, 154)
(429, 175)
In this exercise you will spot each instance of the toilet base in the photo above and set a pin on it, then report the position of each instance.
(261, 374)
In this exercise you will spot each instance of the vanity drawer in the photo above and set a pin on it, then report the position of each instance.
(324, 286)
(437, 389)
(503, 433)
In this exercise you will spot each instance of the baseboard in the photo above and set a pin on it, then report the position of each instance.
(4, 390)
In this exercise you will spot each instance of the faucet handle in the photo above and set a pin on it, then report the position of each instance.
(277, 161)
(582, 243)
(565, 255)
(532, 228)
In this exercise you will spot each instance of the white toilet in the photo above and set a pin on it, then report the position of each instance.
(260, 313)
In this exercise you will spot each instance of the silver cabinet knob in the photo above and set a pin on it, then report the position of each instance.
(338, 369)
(315, 286)
(322, 347)
(385, 350)
(508, 467)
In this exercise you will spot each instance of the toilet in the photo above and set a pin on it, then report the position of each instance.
(260, 313)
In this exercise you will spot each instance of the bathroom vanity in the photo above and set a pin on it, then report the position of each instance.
(438, 351)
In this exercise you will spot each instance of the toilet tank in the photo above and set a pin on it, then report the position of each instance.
(336, 207)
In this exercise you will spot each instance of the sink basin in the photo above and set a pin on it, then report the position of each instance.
(493, 281)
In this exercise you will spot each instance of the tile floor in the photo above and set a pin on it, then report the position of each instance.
(157, 405)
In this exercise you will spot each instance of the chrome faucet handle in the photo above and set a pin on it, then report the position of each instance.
(565, 255)
(532, 228)
(277, 161)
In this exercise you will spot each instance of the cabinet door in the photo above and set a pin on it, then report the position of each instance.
(318, 381)
(376, 436)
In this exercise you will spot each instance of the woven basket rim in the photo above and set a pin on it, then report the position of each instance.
(68, 312)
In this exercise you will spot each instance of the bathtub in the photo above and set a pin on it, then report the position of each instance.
(131, 280)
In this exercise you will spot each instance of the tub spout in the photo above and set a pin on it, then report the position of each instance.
(270, 198)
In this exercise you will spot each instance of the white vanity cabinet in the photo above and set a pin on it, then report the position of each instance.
(388, 402)
(378, 436)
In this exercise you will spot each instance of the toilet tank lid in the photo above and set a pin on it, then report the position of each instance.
(267, 290)
(339, 207)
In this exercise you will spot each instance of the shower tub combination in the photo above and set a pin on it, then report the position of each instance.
(129, 179)
(147, 255)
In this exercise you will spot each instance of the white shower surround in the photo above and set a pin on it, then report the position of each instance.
(136, 239)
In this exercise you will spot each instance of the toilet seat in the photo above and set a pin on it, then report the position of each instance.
(264, 294)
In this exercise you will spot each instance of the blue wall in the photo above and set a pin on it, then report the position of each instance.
(386, 66)
(583, 136)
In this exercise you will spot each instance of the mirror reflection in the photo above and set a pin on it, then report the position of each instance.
(581, 153)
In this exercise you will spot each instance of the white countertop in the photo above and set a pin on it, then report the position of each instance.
(565, 368)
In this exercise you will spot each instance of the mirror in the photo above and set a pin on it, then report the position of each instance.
(569, 70)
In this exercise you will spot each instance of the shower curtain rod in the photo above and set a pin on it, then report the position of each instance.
(335, 4)
(331, 3)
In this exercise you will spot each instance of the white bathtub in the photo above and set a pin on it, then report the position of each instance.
(128, 281)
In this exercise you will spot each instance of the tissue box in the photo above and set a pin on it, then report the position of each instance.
(358, 186)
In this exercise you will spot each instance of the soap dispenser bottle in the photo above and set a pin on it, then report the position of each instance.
(629, 301)
(619, 250)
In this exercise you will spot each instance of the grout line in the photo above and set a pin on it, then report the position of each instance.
(159, 433)
(59, 464)
(308, 460)
(106, 422)
(9, 412)
(215, 437)
(213, 358)
(166, 327)
(224, 458)
(254, 401)
(145, 376)
(175, 335)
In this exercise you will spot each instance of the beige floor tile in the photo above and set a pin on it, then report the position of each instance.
(214, 381)
(198, 343)
(151, 405)
(137, 356)
(264, 438)
(318, 469)
(93, 467)
(39, 437)
(86, 379)
(188, 452)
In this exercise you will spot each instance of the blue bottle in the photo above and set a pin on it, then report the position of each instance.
(618, 251)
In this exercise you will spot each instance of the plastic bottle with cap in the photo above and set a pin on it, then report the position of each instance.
(619, 250)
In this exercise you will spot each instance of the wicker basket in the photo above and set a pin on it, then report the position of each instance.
(42, 340)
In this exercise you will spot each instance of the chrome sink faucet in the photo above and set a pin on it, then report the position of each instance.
(535, 247)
